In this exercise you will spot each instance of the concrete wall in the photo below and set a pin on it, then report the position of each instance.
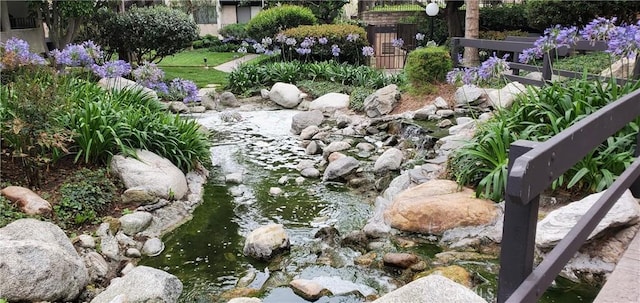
(208, 29)
(228, 15)
(34, 36)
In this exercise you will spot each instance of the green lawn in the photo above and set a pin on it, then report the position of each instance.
(197, 74)
(196, 58)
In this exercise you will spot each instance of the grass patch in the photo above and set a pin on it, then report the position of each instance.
(196, 58)
(199, 75)
(592, 63)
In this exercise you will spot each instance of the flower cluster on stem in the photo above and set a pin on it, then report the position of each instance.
(15, 53)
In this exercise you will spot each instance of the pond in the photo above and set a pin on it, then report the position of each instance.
(206, 252)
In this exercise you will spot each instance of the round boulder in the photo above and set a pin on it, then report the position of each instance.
(266, 241)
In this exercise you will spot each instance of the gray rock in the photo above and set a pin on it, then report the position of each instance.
(266, 241)
(300, 180)
(208, 98)
(504, 97)
(305, 164)
(343, 121)
(391, 159)
(125, 240)
(228, 99)
(283, 180)
(305, 119)
(197, 109)
(382, 102)
(96, 265)
(309, 132)
(86, 241)
(152, 247)
(133, 253)
(231, 116)
(425, 112)
(308, 289)
(338, 286)
(119, 83)
(330, 102)
(143, 284)
(432, 289)
(313, 148)
(136, 222)
(620, 69)
(335, 147)
(39, 263)
(444, 123)
(310, 172)
(463, 120)
(108, 242)
(138, 195)
(178, 107)
(467, 127)
(555, 226)
(445, 113)
(234, 178)
(441, 103)
(156, 174)
(366, 147)
(340, 168)
(285, 95)
(275, 191)
(264, 93)
(467, 94)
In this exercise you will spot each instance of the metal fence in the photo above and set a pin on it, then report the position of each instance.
(382, 37)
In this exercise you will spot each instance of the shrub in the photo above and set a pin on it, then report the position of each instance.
(235, 30)
(29, 106)
(325, 10)
(504, 17)
(349, 39)
(269, 22)
(537, 116)
(543, 14)
(84, 196)
(427, 65)
(150, 33)
(249, 78)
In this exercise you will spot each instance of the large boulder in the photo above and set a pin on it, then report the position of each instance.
(557, 224)
(432, 289)
(28, 202)
(305, 119)
(382, 102)
(330, 102)
(136, 222)
(143, 284)
(228, 99)
(620, 69)
(152, 173)
(340, 168)
(436, 206)
(119, 83)
(468, 94)
(504, 97)
(391, 159)
(285, 94)
(265, 242)
(38, 263)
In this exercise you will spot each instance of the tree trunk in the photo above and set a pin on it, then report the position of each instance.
(471, 30)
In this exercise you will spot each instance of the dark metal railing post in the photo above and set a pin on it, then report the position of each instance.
(546, 66)
(635, 187)
(455, 45)
(518, 234)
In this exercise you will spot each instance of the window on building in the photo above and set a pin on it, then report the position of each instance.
(205, 15)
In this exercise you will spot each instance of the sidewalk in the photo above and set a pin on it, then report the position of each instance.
(229, 66)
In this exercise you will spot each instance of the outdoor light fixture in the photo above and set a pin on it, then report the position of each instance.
(432, 10)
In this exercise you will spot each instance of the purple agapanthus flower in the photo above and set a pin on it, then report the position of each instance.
(20, 49)
(112, 69)
(599, 29)
(493, 67)
(335, 50)
(259, 48)
(266, 41)
(185, 90)
(367, 51)
(567, 36)
(303, 51)
(353, 37)
(281, 38)
(148, 75)
(399, 42)
(624, 41)
(420, 36)
(323, 40)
